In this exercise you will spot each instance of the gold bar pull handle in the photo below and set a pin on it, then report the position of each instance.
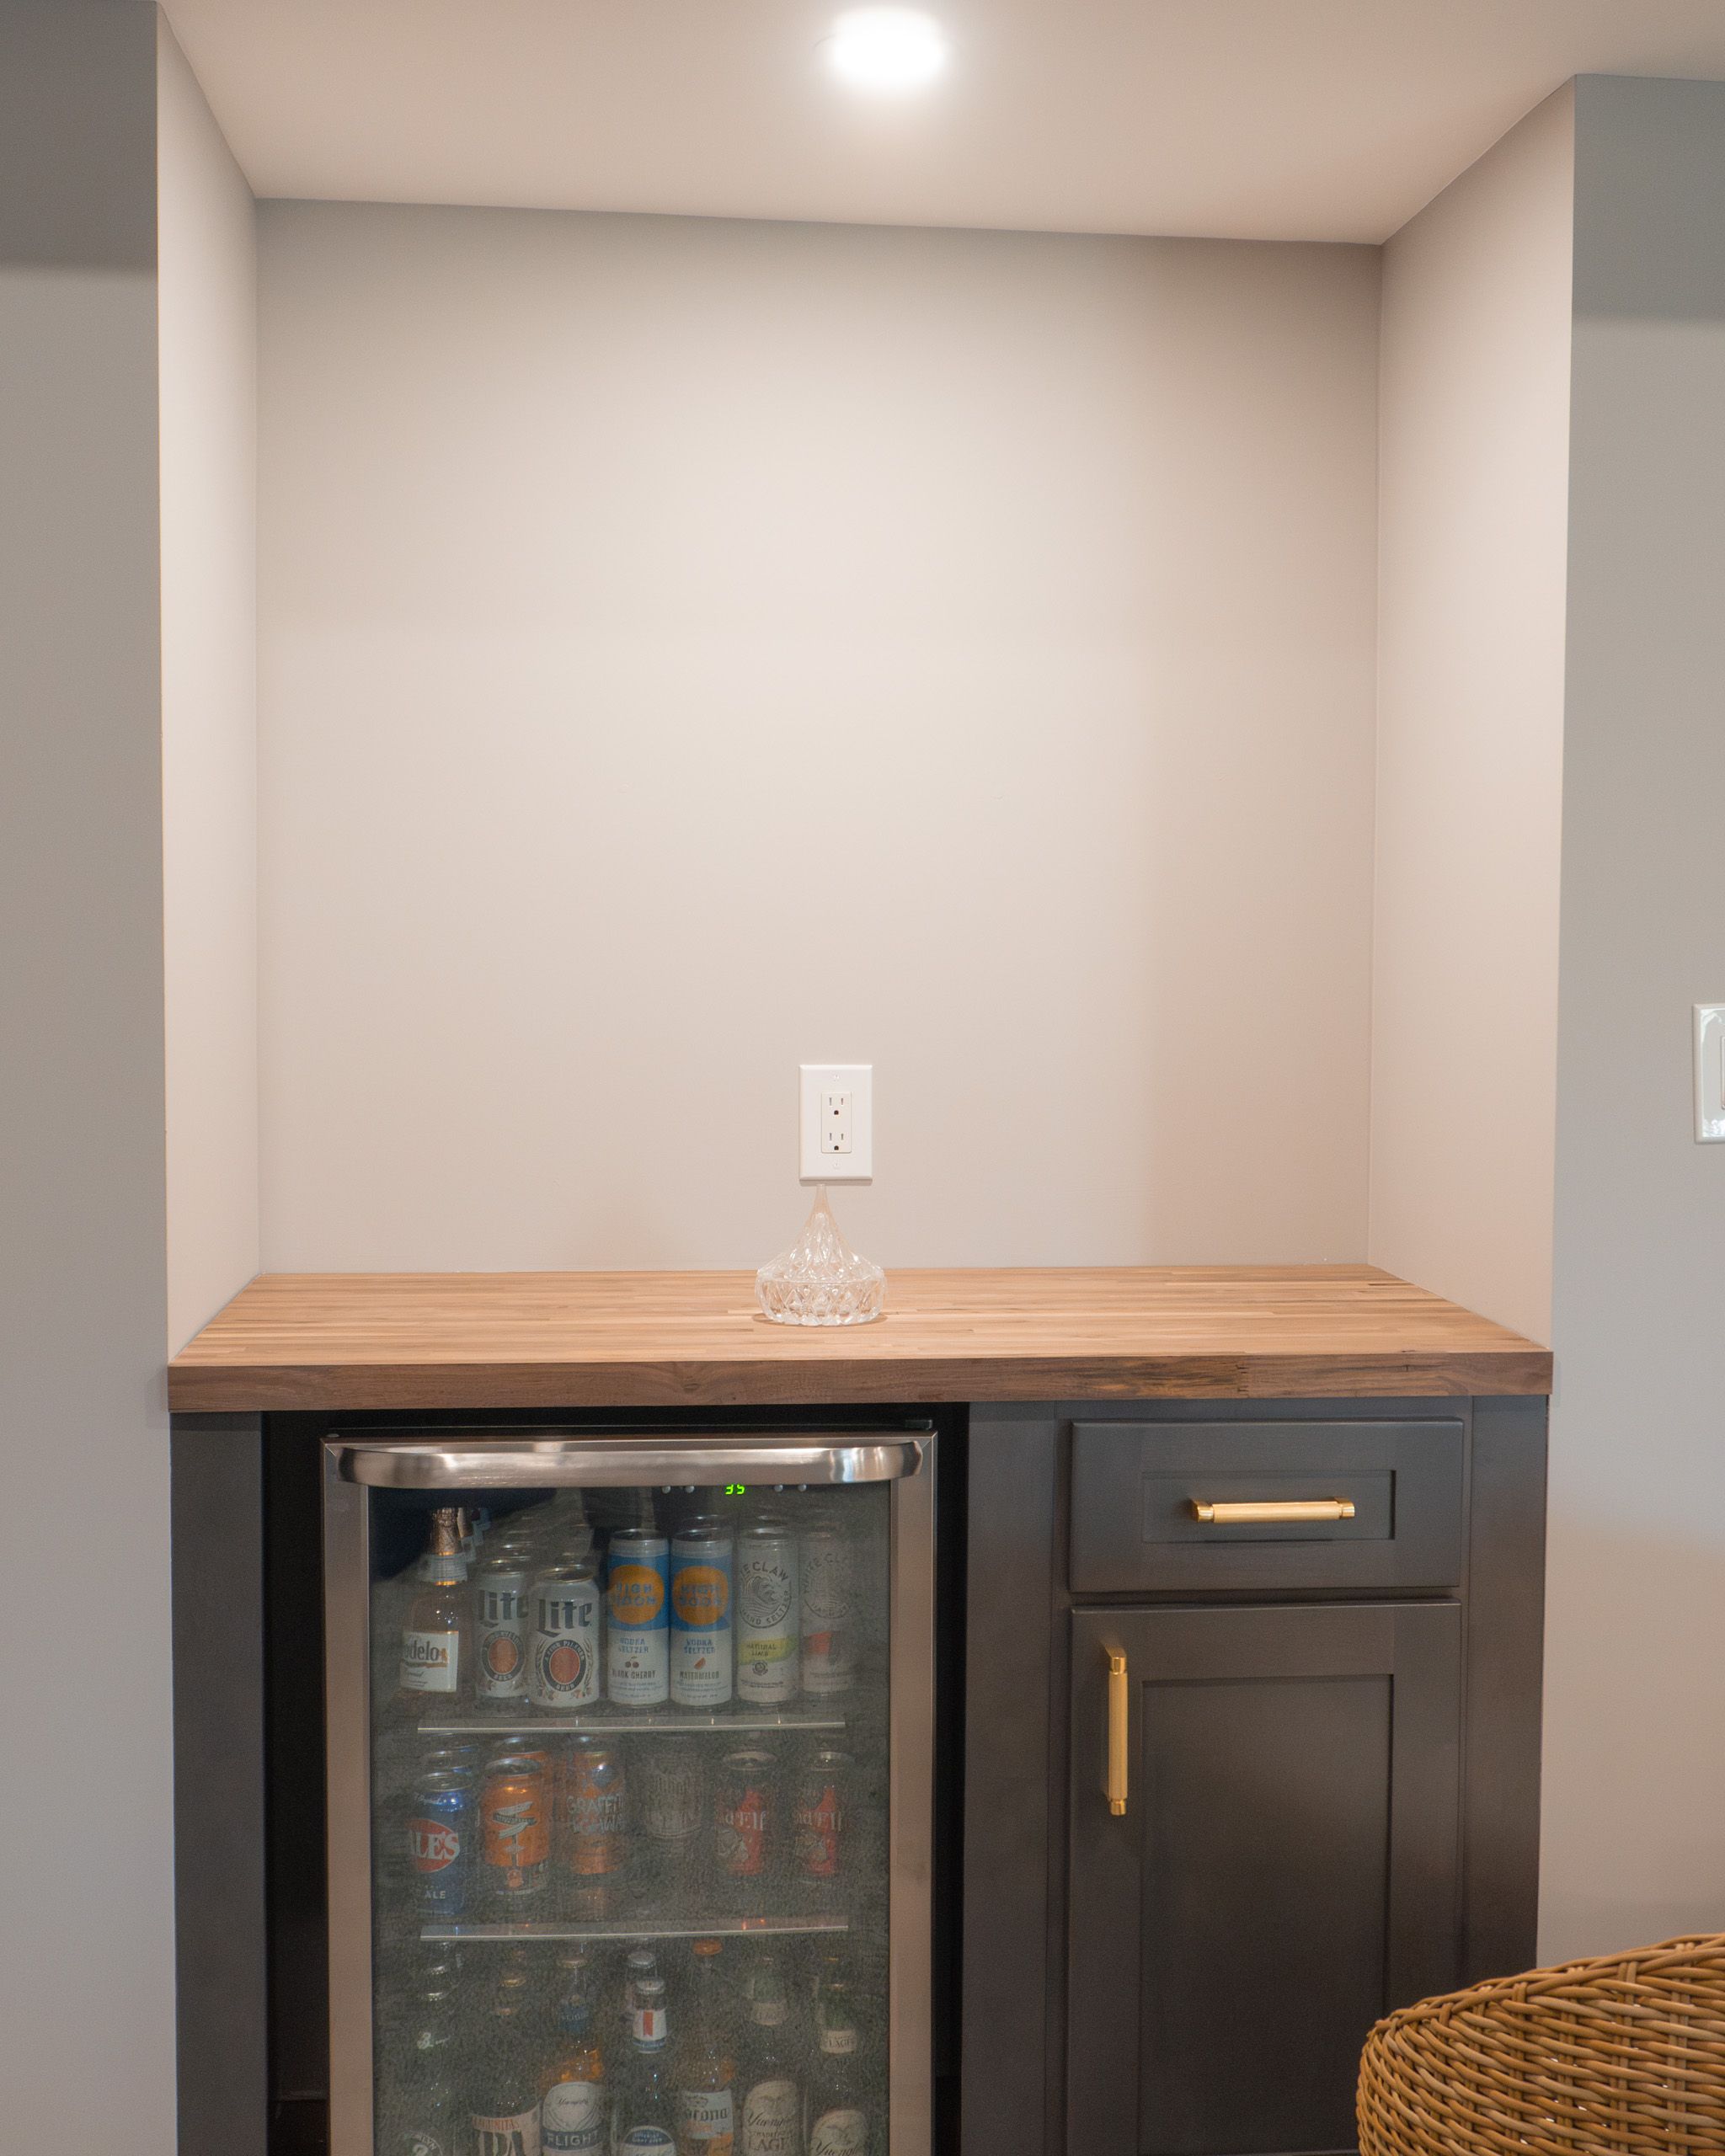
(1120, 1715)
(1223, 1514)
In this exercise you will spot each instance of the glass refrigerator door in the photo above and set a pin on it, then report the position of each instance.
(630, 1748)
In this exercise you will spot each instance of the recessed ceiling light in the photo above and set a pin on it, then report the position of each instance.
(886, 49)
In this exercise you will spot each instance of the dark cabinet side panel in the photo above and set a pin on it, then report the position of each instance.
(1009, 1631)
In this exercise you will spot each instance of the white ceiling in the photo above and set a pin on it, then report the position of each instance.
(1269, 118)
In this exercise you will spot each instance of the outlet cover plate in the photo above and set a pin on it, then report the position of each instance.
(817, 1080)
(1709, 1072)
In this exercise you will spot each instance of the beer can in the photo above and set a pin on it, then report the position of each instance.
(562, 1670)
(768, 1616)
(515, 1831)
(700, 1569)
(500, 1629)
(743, 1821)
(592, 1810)
(818, 1817)
(829, 1595)
(439, 1844)
(670, 1805)
(638, 1619)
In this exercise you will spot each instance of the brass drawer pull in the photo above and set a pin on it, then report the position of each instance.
(1276, 1508)
(1120, 1712)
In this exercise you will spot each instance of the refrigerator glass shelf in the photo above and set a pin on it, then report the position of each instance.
(620, 1721)
(711, 1927)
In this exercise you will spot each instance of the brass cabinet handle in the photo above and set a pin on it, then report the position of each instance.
(1119, 1711)
(1222, 1514)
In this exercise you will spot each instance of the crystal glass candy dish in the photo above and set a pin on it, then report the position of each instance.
(820, 1280)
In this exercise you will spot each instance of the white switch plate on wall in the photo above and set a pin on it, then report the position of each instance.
(1709, 1072)
(837, 1122)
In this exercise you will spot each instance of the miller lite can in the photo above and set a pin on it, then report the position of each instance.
(700, 1570)
(638, 1614)
(768, 1616)
(562, 1670)
(439, 1844)
(501, 1628)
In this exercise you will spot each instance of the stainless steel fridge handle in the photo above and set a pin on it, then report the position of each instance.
(627, 1463)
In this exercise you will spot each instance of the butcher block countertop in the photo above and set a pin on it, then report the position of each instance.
(473, 1340)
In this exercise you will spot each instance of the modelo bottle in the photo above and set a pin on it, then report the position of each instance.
(434, 1637)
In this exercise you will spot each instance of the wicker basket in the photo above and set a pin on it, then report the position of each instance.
(1625, 2052)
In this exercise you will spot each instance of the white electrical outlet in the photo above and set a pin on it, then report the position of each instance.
(1709, 1072)
(837, 1122)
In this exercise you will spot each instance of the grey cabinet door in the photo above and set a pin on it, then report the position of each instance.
(1286, 1868)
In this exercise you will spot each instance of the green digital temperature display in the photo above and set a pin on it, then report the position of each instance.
(736, 1489)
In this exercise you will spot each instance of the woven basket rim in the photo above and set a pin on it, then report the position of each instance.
(1565, 1978)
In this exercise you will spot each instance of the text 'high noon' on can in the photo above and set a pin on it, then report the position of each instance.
(768, 1612)
(701, 1568)
(638, 1614)
(829, 1596)
(563, 1671)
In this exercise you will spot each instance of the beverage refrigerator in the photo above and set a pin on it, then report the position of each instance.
(629, 1781)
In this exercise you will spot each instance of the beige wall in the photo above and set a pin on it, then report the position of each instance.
(86, 1850)
(208, 324)
(1473, 494)
(1635, 1779)
(688, 648)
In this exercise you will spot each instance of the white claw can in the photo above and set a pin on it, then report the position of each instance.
(563, 1665)
(769, 1634)
(829, 1594)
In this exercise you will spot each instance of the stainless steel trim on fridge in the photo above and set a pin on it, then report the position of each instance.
(353, 1467)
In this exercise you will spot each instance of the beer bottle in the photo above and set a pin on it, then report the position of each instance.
(504, 2103)
(422, 2111)
(838, 2104)
(645, 2118)
(703, 2071)
(434, 1639)
(573, 2114)
(770, 2117)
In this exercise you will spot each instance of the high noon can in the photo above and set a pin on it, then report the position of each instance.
(440, 1843)
(562, 1669)
(768, 1613)
(701, 1571)
(828, 1613)
(515, 1831)
(638, 1613)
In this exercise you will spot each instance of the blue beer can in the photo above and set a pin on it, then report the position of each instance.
(439, 1844)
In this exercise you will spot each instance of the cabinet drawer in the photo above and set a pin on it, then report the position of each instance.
(1137, 1488)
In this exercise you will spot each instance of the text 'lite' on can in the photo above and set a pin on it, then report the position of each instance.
(514, 1830)
(768, 1613)
(440, 1844)
(638, 1619)
(700, 1572)
(828, 1613)
(500, 1630)
(563, 1664)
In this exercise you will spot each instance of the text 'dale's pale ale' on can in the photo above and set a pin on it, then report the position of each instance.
(700, 1570)
(638, 1619)
(563, 1668)
(514, 1830)
(829, 1613)
(768, 1623)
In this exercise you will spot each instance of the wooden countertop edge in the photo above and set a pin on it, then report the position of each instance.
(256, 1386)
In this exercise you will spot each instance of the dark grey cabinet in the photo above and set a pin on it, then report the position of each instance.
(1332, 1751)
(1286, 1866)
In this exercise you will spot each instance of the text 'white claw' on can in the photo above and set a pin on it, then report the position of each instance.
(828, 1597)
(768, 1625)
(562, 1669)
(701, 1574)
(638, 1619)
